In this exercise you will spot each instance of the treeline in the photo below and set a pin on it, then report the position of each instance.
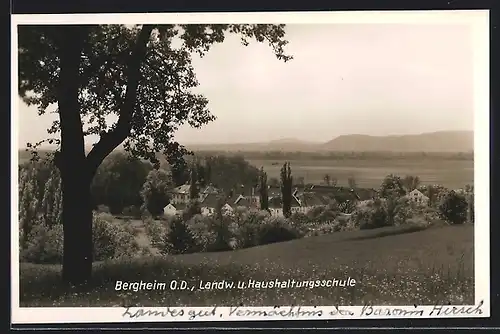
(123, 184)
(280, 155)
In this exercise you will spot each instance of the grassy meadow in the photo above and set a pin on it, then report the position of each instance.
(368, 173)
(392, 266)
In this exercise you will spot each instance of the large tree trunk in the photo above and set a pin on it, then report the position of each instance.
(71, 161)
(77, 225)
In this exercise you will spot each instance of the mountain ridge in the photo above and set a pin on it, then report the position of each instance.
(438, 141)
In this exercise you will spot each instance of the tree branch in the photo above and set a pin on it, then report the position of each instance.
(110, 140)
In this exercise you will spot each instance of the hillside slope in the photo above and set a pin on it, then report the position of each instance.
(443, 141)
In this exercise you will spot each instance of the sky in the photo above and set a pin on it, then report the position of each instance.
(374, 79)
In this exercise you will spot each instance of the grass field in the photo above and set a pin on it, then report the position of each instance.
(369, 173)
(424, 267)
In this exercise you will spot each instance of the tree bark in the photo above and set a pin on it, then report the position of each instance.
(77, 225)
(71, 162)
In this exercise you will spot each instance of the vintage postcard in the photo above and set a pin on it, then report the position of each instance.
(250, 166)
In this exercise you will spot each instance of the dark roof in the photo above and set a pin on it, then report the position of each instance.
(242, 202)
(183, 189)
(311, 199)
(275, 202)
(210, 190)
(365, 193)
(272, 192)
(179, 206)
(210, 201)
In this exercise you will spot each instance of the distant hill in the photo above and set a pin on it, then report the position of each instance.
(442, 141)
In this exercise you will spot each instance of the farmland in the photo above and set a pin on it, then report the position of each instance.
(447, 170)
(369, 172)
(434, 265)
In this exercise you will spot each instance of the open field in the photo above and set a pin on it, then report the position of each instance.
(369, 173)
(425, 267)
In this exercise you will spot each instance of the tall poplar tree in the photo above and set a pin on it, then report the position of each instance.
(286, 188)
(263, 190)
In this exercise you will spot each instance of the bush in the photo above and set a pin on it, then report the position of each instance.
(156, 230)
(211, 234)
(315, 212)
(245, 227)
(345, 222)
(44, 245)
(276, 229)
(453, 208)
(200, 227)
(299, 218)
(370, 216)
(112, 240)
(178, 239)
(328, 215)
(324, 228)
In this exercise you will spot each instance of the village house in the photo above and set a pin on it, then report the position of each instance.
(417, 197)
(172, 209)
(181, 193)
(308, 201)
(210, 202)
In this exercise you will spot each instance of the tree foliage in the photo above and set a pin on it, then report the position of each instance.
(351, 181)
(263, 190)
(118, 182)
(194, 184)
(51, 210)
(152, 109)
(453, 208)
(156, 191)
(411, 182)
(28, 202)
(286, 189)
(392, 186)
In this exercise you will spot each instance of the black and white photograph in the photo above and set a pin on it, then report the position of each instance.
(250, 166)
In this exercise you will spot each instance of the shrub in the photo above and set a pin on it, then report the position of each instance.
(200, 228)
(276, 229)
(324, 228)
(245, 227)
(178, 239)
(372, 215)
(112, 240)
(344, 222)
(155, 230)
(453, 208)
(328, 215)
(315, 212)
(192, 209)
(222, 227)
(44, 244)
(211, 234)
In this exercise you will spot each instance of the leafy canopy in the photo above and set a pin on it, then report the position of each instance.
(165, 98)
